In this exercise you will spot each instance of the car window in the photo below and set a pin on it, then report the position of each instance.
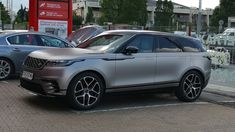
(52, 42)
(26, 39)
(82, 34)
(143, 43)
(100, 41)
(87, 34)
(166, 45)
(231, 34)
(190, 45)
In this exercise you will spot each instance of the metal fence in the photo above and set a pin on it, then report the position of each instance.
(225, 47)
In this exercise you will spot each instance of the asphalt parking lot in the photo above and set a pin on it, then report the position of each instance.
(21, 112)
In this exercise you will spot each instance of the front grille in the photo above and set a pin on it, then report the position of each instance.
(35, 63)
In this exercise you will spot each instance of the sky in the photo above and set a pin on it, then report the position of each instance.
(195, 3)
(17, 3)
(191, 3)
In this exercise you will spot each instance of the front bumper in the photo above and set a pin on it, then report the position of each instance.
(45, 88)
(46, 82)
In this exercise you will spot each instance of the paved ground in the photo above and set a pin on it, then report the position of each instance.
(224, 76)
(21, 111)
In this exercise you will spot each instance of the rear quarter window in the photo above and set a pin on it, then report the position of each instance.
(191, 45)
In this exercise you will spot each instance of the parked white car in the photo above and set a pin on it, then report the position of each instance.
(227, 37)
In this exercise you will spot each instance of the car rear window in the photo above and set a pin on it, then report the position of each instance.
(100, 41)
(82, 34)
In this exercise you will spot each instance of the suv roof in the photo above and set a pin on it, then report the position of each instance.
(120, 32)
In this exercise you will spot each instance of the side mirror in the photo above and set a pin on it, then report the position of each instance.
(131, 50)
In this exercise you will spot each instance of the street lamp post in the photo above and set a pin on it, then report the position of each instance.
(199, 18)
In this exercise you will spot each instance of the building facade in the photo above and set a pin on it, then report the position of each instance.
(182, 13)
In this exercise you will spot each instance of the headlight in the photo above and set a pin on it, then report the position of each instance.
(61, 63)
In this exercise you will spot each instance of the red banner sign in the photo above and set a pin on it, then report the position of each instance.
(56, 0)
(57, 12)
(47, 14)
(55, 6)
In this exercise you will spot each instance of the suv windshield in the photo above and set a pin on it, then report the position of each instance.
(100, 43)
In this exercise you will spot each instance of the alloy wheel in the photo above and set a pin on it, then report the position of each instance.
(192, 86)
(87, 91)
(5, 69)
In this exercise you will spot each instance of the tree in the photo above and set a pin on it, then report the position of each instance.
(163, 13)
(111, 10)
(124, 11)
(22, 15)
(90, 16)
(5, 17)
(134, 12)
(222, 12)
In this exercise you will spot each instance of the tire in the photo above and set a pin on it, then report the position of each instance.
(190, 88)
(6, 69)
(85, 91)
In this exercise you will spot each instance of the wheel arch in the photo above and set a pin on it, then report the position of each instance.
(198, 70)
(93, 71)
(12, 63)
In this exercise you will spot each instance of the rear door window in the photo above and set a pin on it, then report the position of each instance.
(165, 44)
(25, 39)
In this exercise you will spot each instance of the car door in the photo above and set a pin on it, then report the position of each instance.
(138, 68)
(20, 46)
(171, 60)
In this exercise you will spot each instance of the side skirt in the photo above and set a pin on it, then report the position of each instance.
(142, 87)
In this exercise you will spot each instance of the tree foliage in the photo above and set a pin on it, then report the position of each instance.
(124, 11)
(111, 10)
(5, 17)
(90, 16)
(222, 12)
(163, 13)
(22, 15)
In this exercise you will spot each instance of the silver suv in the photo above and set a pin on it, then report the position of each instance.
(119, 61)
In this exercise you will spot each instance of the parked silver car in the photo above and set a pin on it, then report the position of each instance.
(14, 48)
(119, 61)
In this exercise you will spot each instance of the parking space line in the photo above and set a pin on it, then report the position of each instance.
(231, 101)
(4, 82)
(143, 107)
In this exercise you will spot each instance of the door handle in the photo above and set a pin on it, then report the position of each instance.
(207, 56)
(16, 50)
(118, 59)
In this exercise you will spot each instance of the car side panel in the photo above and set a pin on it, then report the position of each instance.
(201, 61)
(170, 66)
(104, 66)
(136, 69)
(4, 51)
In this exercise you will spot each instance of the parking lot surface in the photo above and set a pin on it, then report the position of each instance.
(224, 76)
(22, 112)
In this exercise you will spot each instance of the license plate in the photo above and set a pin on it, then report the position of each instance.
(27, 75)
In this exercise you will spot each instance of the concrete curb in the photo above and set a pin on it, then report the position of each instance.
(222, 92)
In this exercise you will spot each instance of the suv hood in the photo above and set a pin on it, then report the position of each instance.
(65, 54)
